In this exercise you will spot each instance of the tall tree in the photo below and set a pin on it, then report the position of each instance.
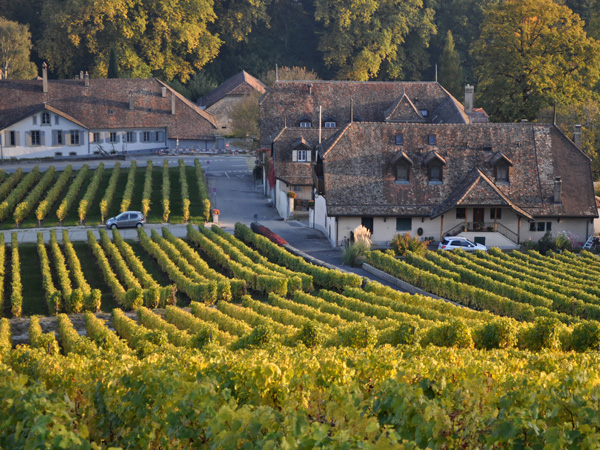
(15, 47)
(531, 53)
(361, 37)
(164, 38)
(450, 74)
(113, 65)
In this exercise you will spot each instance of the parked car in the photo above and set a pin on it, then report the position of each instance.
(456, 242)
(126, 219)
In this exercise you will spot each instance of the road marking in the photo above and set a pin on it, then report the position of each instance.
(227, 175)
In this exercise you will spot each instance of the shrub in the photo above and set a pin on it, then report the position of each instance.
(363, 235)
(258, 337)
(586, 336)
(544, 333)
(358, 335)
(546, 243)
(353, 255)
(405, 334)
(454, 334)
(565, 240)
(500, 333)
(310, 335)
(404, 243)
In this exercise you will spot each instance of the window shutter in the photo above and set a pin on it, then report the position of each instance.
(54, 139)
(67, 138)
(42, 138)
(308, 155)
(56, 120)
(17, 138)
(35, 120)
(161, 136)
(118, 137)
(28, 138)
(294, 155)
(134, 136)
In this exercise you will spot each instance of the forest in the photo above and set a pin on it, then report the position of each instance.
(524, 57)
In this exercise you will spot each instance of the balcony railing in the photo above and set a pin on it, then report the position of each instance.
(483, 227)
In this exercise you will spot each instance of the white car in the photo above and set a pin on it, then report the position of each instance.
(456, 242)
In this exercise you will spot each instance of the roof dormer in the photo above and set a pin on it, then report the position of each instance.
(403, 110)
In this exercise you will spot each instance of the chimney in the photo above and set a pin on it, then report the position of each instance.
(309, 88)
(557, 190)
(131, 105)
(45, 78)
(173, 104)
(87, 80)
(469, 94)
(577, 136)
(164, 92)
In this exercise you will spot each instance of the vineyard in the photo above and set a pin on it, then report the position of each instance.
(226, 341)
(90, 196)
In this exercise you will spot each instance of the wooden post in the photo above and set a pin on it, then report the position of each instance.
(519, 230)
(495, 219)
(442, 228)
(466, 220)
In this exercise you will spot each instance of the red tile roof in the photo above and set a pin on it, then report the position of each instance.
(240, 84)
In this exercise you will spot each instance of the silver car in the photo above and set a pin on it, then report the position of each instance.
(456, 242)
(126, 219)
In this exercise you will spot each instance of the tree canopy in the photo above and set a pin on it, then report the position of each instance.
(530, 54)
(15, 48)
(450, 75)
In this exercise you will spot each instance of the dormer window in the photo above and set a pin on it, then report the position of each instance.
(435, 173)
(111, 112)
(501, 164)
(431, 139)
(501, 173)
(305, 122)
(435, 167)
(45, 118)
(301, 155)
(424, 112)
(401, 164)
(301, 151)
(330, 122)
(399, 139)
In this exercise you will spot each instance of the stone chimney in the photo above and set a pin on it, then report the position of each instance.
(557, 190)
(469, 94)
(309, 88)
(173, 104)
(131, 104)
(45, 78)
(577, 136)
(164, 92)
(87, 80)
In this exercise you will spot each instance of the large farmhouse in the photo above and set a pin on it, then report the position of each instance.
(402, 157)
(45, 118)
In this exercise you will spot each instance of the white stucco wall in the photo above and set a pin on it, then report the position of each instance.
(49, 147)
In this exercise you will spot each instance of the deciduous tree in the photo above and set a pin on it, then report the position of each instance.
(15, 46)
(531, 53)
(363, 37)
(450, 75)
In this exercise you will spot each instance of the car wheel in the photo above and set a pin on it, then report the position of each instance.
(113, 226)
(139, 225)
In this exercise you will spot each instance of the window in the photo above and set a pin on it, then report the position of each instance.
(45, 118)
(495, 213)
(399, 139)
(111, 112)
(501, 173)
(157, 136)
(403, 223)
(34, 120)
(330, 124)
(129, 136)
(58, 154)
(74, 137)
(424, 112)
(302, 155)
(35, 137)
(146, 136)
(305, 124)
(112, 137)
(540, 226)
(435, 173)
(12, 138)
(72, 153)
(461, 213)
(431, 139)
(96, 137)
(59, 137)
(56, 120)
(402, 172)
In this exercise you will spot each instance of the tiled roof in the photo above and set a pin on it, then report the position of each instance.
(90, 105)
(359, 179)
(288, 101)
(295, 173)
(240, 84)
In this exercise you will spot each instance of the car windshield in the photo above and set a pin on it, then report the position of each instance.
(121, 216)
